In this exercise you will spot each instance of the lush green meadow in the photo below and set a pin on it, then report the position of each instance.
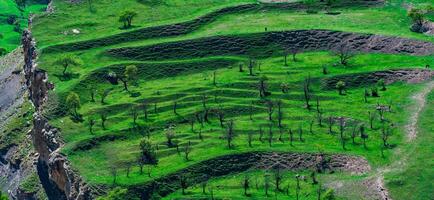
(12, 38)
(174, 91)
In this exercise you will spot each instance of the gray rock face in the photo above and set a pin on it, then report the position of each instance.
(58, 179)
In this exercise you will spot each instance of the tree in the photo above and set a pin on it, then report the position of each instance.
(67, 61)
(278, 176)
(130, 74)
(230, 133)
(341, 131)
(170, 134)
(145, 109)
(294, 52)
(103, 119)
(134, 115)
(344, 53)
(114, 173)
(291, 137)
(115, 194)
(266, 183)
(187, 150)
(366, 95)
(251, 65)
(340, 85)
(306, 92)
(148, 155)
(270, 110)
(363, 135)
(270, 134)
(221, 116)
(183, 183)
(279, 113)
(91, 121)
(73, 103)
(104, 95)
(250, 138)
(127, 17)
(284, 87)
(246, 184)
(263, 87)
(417, 16)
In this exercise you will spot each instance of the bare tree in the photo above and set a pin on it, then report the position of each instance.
(263, 87)
(300, 133)
(104, 95)
(270, 134)
(341, 131)
(331, 122)
(170, 134)
(187, 150)
(114, 172)
(306, 91)
(221, 116)
(175, 106)
(214, 77)
(363, 135)
(371, 119)
(145, 109)
(270, 109)
(279, 113)
(91, 124)
(251, 66)
(246, 184)
(183, 183)
(230, 133)
(103, 120)
(261, 133)
(344, 52)
(134, 115)
(278, 176)
(291, 137)
(250, 138)
(266, 183)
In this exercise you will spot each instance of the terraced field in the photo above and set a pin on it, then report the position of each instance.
(237, 99)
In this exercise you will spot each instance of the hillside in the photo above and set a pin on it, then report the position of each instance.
(228, 99)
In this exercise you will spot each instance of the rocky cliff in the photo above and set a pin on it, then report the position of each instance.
(57, 177)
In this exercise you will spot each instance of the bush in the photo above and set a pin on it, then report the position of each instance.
(12, 19)
(115, 194)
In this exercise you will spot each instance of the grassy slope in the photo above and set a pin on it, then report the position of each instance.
(11, 38)
(415, 182)
(95, 164)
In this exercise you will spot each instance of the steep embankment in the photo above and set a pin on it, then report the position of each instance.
(260, 45)
(58, 179)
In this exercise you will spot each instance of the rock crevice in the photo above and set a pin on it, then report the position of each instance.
(60, 182)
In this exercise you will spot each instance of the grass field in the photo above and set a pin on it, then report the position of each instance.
(11, 38)
(188, 82)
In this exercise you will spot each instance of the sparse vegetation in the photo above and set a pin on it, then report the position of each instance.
(175, 100)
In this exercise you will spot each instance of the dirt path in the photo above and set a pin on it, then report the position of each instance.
(411, 130)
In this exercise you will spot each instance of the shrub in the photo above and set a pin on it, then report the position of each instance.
(115, 194)
(12, 19)
(340, 85)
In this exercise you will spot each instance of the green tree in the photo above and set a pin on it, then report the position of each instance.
(148, 155)
(340, 85)
(417, 16)
(73, 103)
(131, 73)
(127, 18)
(67, 61)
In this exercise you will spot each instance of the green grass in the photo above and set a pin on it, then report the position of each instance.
(231, 187)
(11, 39)
(234, 91)
(414, 181)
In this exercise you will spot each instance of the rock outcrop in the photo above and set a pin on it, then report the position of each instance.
(58, 179)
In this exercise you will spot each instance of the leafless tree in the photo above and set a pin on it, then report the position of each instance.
(344, 52)
(307, 92)
(187, 150)
(270, 109)
(279, 113)
(145, 109)
(230, 133)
